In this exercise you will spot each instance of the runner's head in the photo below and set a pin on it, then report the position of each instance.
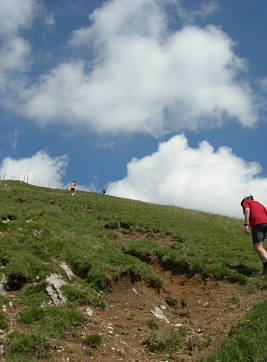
(250, 197)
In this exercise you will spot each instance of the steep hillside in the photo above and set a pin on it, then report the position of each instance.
(94, 277)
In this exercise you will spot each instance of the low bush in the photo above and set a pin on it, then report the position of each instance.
(93, 340)
(31, 315)
(21, 345)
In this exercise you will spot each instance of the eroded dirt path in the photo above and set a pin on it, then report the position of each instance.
(206, 309)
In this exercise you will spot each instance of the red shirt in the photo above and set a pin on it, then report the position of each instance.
(258, 213)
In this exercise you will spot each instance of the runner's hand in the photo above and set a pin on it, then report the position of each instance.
(247, 230)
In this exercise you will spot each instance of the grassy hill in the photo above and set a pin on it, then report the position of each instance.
(104, 239)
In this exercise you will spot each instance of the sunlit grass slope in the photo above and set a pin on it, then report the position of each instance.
(82, 231)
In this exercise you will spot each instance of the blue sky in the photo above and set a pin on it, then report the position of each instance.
(156, 100)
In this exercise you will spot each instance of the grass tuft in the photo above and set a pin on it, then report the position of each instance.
(93, 340)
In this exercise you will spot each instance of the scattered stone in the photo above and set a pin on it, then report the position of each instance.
(197, 343)
(134, 290)
(120, 352)
(55, 282)
(172, 302)
(163, 307)
(67, 270)
(178, 325)
(36, 232)
(158, 314)
(3, 282)
(89, 312)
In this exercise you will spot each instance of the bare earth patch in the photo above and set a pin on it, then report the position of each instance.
(206, 309)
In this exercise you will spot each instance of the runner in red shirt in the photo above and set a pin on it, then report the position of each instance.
(256, 216)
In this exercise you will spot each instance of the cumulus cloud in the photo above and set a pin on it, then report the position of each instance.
(193, 178)
(15, 15)
(190, 15)
(40, 169)
(263, 84)
(144, 77)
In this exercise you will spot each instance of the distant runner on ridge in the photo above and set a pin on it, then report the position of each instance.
(72, 187)
(256, 217)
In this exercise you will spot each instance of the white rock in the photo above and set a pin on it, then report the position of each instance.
(3, 282)
(158, 314)
(89, 311)
(67, 270)
(55, 282)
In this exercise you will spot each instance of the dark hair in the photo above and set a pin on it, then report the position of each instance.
(250, 197)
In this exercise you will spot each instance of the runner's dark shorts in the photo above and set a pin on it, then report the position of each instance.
(259, 233)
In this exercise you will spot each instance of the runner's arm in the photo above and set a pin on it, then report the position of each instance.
(247, 213)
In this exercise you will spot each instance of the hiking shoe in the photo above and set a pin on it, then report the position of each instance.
(264, 269)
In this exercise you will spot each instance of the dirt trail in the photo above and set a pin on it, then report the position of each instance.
(206, 309)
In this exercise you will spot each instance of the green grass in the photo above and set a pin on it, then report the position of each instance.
(27, 347)
(247, 340)
(158, 343)
(93, 340)
(49, 226)
(82, 231)
(153, 325)
(3, 322)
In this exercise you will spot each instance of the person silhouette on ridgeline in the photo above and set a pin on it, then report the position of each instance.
(256, 217)
(73, 188)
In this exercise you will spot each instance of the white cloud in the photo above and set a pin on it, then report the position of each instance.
(14, 139)
(40, 169)
(263, 84)
(190, 15)
(49, 20)
(144, 77)
(15, 15)
(193, 178)
(91, 188)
